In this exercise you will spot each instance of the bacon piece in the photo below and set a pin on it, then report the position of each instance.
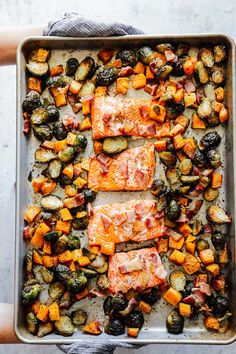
(87, 98)
(139, 174)
(189, 86)
(127, 71)
(90, 210)
(28, 232)
(120, 218)
(104, 159)
(104, 170)
(131, 216)
(170, 56)
(106, 221)
(75, 201)
(144, 110)
(149, 222)
(151, 129)
(208, 229)
(139, 208)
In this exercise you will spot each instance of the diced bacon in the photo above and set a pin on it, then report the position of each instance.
(68, 121)
(208, 172)
(72, 99)
(189, 86)
(28, 232)
(106, 221)
(151, 129)
(153, 67)
(169, 232)
(196, 171)
(87, 98)
(75, 201)
(127, 71)
(175, 59)
(218, 283)
(154, 90)
(131, 266)
(194, 208)
(179, 85)
(199, 297)
(142, 129)
(77, 171)
(205, 288)
(94, 292)
(144, 110)
(148, 88)
(27, 125)
(139, 208)
(149, 222)
(103, 170)
(131, 216)
(120, 218)
(124, 168)
(90, 209)
(208, 229)
(199, 188)
(189, 299)
(159, 215)
(170, 56)
(104, 159)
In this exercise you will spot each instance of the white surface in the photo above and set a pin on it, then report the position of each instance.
(155, 16)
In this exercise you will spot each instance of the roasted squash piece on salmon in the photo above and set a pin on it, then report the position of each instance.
(140, 269)
(132, 169)
(112, 116)
(135, 220)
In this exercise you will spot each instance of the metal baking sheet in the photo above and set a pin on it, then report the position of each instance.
(154, 330)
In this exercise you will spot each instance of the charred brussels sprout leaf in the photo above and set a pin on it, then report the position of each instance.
(52, 236)
(76, 282)
(45, 329)
(66, 154)
(84, 69)
(168, 158)
(64, 326)
(220, 306)
(218, 239)
(32, 323)
(71, 66)
(115, 327)
(218, 74)
(79, 318)
(37, 69)
(135, 319)
(173, 210)
(106, 76)
(103, 282)
(128, 57)
(214, 158)
(53, 114)
(173, 110)
(73, 242)
(146, 55)
(80, 143)
(42, 132)
(43, 155)
(51, 203)
(114, 145)
(57, 81)
(62, 273)
(163, 72)
(206, 56)
(175, 322)
(46, 274)
(219, 53)
(56, 290)
(178, 280)
(217, 215)
(39, 116)
(151, 297)
(28, 261)
(210, 140)
(59, 131)
(31, 102)
(89, 195)
(30, 294)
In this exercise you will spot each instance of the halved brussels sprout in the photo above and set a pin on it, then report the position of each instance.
(44, 155)
(71, 66)
(57, 81)
(178, 280)
(103, 282)
(64, 180)
(205, 109)
(128, 57)
(98, 261)
(31, 102)
(202, 245)
(188, 288)
(80, 223)
(210, 140)
(161, 203)
(172, 175)
(87, 89)
(28, 261)
(214, 158)
(157, 187)
(173, 110)
(84, 69)
(135, 319)
(220, 306)
(182, 49)
(42, 132)
(106, 76)
(30, 294)
(217, 215)
(64, 326)
(186, 166)
(173, 210)
(89, 195)
(210, 194)
(39, 116)
(62, 273)
(115, 327)
(66, 154)
(89, 273)
(73, 242)
(52, 236)
(32, 323)
(146, 55)
(213, 120)
(44, 329)
(178, 67)
(56, 290)
(202, 73)
(46, 98)
(197, 227)
(189, 179)
(76, 282)
(37, 69)
(218, 74)
(218, 239)
(65, 301)
(118, 303)
(199, 158)
(206, 56)
(79, 317)
(114, 145)
(219, 53)
(59, 131)
(46, 274)
(175, 322)
(168, 158)
(163, 72)
(151, 297)
(80, 143)
(51, 202)
(61, 244)
(53, 114)
(162, 47)
(54, 168)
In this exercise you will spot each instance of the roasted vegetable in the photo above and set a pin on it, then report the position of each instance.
(220, 306)
(88, 89)
(32, 323)
(189, 179)
(42, 132)
(201, 72)
(178, 67)
(217, 215)
(53, 114)
(210, 194)
(163, 72)
(214, 158)
(54, 168)
(128, 57)
(157, 187)
(175, 322)
(114, 145)
(103, 282)
(79, 318)
(56, 290)
(39, 116)
(115, 327)
(37, 69)
(106, 76)
(45, 329)
(135, 319)
(173, 110)
(186, 166)
(205, 109)
(172, 175)
(51, 203)
(213, 120)
(202, 244)
(64, 180)
(62, 273)
(47, 275)
(199, 158)
(89, 195)
(188, 288)
(76, 282)
(59, 131)
(219, 53)
(28, 262)
(178, 280)
(31, 102)
(84, 69)
(146, 55)
(66, 154)
(173, 210)
(52, 236)
(64, 326)
(210, 140)
(73, 242)
(43, 155)
(218, 239)
(118, 303)
(71, 66)
(80, 143)
(151, 296)
(57, 81)
(162, 47)
(107, 308)
(80, 223)
(60, 244)
(89, 273)
(218, 74)
(30, 293)
(168, 158)
(206, 56)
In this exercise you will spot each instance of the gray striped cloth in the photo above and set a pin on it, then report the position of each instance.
(75, 25)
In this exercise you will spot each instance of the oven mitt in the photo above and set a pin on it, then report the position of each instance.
(75, 25)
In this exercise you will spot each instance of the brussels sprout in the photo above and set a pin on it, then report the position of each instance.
(59, 131)
(219, 53)
(178, 280)
(64, 326)
(188, 288)
(128, 57)
(182, 49)
(146, 55)
(213, 120)
(151, 297)
(64, 180)
(210, 194)
(103, 282)
(79, 318)
(201, 72)
(186, 166)
(62, 273)
(218, 239)
(218, 74)
(98, 261)
(65, 301)
(135, 319)
(115, 327)
(54, 168)
(202, 245)
(44, 329)
(73, 242)
(42, 132)
(89, 195)
(199, 158)
(157, 187)
(43, 155)
(37, 69)
(173, 210)
(107, 308)
(51, 202)
(106, 76)
(71, 66)
(172, 175)
(28, 261)
(175, 322)
(46, 215)
(173, 110)
(161, 203)
(217, 215)
(178, 67)
(205, 109)
(206, 56)
(31, 102)
(53, 114)
(61, 244)
(89, 273)
(46, 98)
(39, 116)
(163, 72)
(66, 154)
(32, 323)
(103, 269)
(56, 290)
(168, 158)
(30, 294)
(197, 227)
(88, 89)
(80, 223)
(162, 47)
(84, 69)
(52, 236)
(57, 81)
(80, 143)
(76, 282)
(118, 303)
(214, 158)
(46, 274)
(210, 140)
(189, 179)
(220, 306)
(114, 145)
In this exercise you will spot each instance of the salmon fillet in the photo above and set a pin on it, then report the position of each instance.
(139, 270)
(112, 116)
(135, 220)
(132, 169)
